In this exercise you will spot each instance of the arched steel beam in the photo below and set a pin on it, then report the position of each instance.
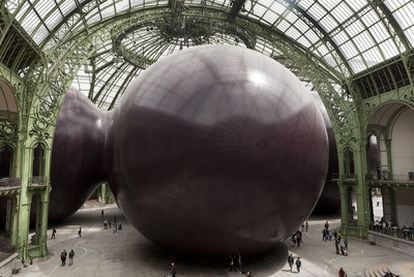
(392, 23)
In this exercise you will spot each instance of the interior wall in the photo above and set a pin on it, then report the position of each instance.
(402, 145)
(404, 199)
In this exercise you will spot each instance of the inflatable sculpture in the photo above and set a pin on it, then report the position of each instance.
(213, 150)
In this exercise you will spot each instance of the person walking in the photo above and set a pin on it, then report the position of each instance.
(306, 226)
(298, 264)
(71, 255)
(115, 227)
(232, 265)
(291, 261)
(53, 233)
(346, 243)
(63, 257)
(337, 246)
(102, 213)
(173, 270)
(326, 225)
(239, 259)
(80, 231)
(298, 238)
(341, 272)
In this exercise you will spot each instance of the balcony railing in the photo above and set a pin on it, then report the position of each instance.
(10, 182)
(16, 182)
(406, 233)
(38, 181)
(348, 176)
(399, 178)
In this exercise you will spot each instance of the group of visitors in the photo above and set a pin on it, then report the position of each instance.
(54, 232)
(235, 263)
(291, 262)
(297, 238)
(112, 224)
(64, 255)
(326, 233)
(341, 248)
(393, 229)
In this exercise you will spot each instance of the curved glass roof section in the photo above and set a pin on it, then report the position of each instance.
(350, 35)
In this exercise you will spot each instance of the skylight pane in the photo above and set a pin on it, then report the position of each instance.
(389, 49)
(312, 36)
(283, 25)
(328, 23)
(30, 22)
(53, 20)
(404, 15)
(395, 4)
(323, 50)
(44, 7)
(357, 64)
(67, 6)
(355, 28)
(277, 7)
(342, 12)
(357, 5)
(270, 16)
(121, 6)
(94, 18)
(349, 50)
(379, 32)
(305, 4)
(22, 11)
(317, 11)
(340, 38)
(301, 26)
(136, 3)
(304, 41)
(330, 60)
(372, 56)
(291, 17)
(41, 34)
(259, 10)
(108, 11)
(370, 18)
(364, 41)
(329, 4)
(410, 34)
(293, 33)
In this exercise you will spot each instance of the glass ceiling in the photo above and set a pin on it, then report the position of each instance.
(356, 28)
(349, 35)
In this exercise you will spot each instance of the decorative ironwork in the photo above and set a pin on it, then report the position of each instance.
(8, 133)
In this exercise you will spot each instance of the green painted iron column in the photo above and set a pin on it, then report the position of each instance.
(364, 214)
(343, 192)
(24, 166)
(44, 205)
(15, 221)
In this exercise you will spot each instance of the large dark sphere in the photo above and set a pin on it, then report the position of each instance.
(77, 155)
(329, 202)
(217, 150)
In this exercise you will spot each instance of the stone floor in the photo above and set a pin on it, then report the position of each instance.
(126, 253)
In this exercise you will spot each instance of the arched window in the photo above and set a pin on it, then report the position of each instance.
(6, 161)
(349, 168)
(38, 161)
